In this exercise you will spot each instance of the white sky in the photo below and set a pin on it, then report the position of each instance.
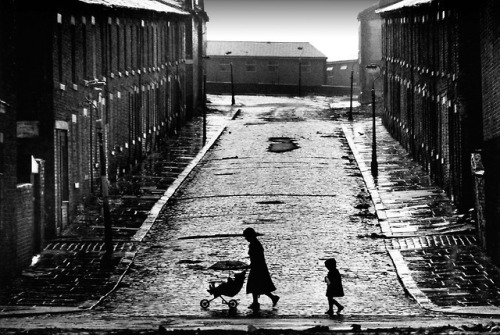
(329, 25)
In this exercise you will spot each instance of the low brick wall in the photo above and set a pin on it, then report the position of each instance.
(24, 224)
(268, 89)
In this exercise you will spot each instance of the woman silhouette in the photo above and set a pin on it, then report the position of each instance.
(259, 279)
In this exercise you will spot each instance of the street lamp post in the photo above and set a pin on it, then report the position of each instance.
(204, 109)
(374, 70)
(108, 232)
(232, 82)
(300, 70)
(108, 238)
(204, 105)
(352, 84)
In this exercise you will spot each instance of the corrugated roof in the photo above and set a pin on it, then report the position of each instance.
(263, 49)
(164, 6)
(403, 4)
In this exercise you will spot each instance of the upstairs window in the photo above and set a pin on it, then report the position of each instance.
(305, 67)
(272, 66)
(224, 66)
(250, 66)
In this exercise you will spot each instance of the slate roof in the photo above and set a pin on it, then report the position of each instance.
(263, 49)
(164, 6)
(403, 4)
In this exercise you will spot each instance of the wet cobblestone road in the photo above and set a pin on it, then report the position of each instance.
(285, 168)
(303, 201)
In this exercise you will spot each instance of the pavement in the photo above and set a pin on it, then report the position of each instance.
(433, 250)
(72, 273)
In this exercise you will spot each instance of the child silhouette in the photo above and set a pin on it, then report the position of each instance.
(334, 286)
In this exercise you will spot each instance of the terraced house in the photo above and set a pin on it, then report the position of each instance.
(441, 86)
(432, 88)
(111, 74)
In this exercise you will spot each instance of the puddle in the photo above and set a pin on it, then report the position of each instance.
(282, 144)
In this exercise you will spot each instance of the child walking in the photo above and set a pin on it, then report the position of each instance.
(334, 286)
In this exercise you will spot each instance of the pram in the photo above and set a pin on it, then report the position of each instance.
(229, 289)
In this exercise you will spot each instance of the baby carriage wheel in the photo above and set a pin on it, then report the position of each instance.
(232, 303)
(204, 303)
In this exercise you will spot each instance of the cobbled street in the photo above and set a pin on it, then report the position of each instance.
(283, 167)
(303, 201)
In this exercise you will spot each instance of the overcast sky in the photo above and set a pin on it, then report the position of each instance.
(330, 25)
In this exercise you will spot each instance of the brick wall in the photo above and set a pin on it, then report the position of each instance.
(339, 73)
(287, 70)
(24, 224)
(138, 63)
(8, 148)
(490, 69)
(139, 55)
(431, 91)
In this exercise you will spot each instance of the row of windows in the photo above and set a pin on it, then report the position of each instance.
(114, 47)
(272, 66)
(429, 42)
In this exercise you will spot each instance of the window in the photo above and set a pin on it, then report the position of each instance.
(305, 67)
(94, 47)
(250, 66)
(84, 47)
(224, 67)
(59, 48)
(104, 58)
(343, 67)
(110, 46)
(125, 48)
(138, 52)
(272, 66)
(73, 50)
(119, 54)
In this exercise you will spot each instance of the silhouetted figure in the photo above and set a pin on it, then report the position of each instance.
(334, 286)
(259, 279)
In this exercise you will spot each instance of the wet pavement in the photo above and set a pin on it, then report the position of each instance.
(72, 272)
(434, 248)
(296, 171)
(303, 201)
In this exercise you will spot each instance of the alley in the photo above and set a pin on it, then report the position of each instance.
(303, 201)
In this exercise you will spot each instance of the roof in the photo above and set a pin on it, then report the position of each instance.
(345, 61)
(263, 49)
(403, 4)
(164, 6)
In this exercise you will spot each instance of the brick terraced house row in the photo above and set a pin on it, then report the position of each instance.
(488, 178)
(441, 74)
(432, 88)
(124, 71)
(8, 148)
